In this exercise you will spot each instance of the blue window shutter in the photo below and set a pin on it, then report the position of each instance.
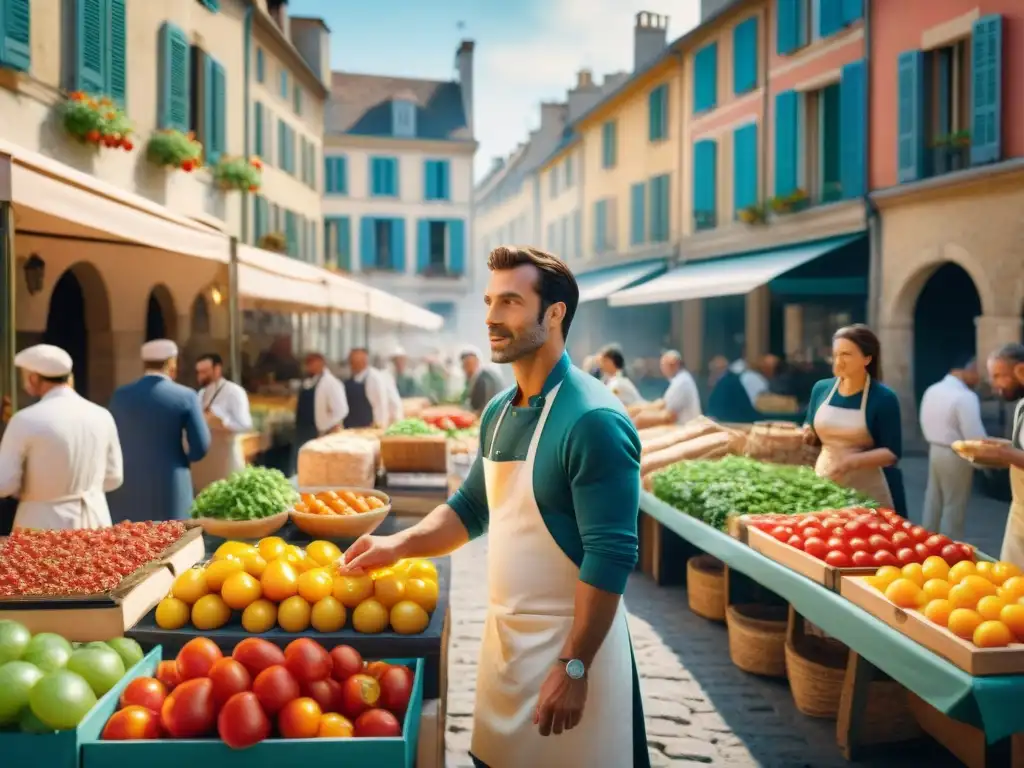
(608, 148)
(456, 246)
(853, 129)
(117, 55)
(341, 175)
(705, 177)
(600, 226)
(910, 116)
(344, 235)
(215, 110)
(657, 107)
(422, 245)
(281, 159)
(375, 175)
(429, 180)
(853, 10)
(786, 136)
(175, 78)
(258, 220)
(705, 82)
(398, 245)
(258, 129)
(329, 183)
(261, 65)
(16, 34)
(788, 25)
(830, 17)
(744, 53)
(986, 89)
(90, 46)
(368, 243)
(443, 180)
(638, 217)
(745, 166)
(654, 217)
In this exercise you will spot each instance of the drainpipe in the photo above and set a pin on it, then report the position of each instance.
(765, 105)
(8, 289)
(873, 215)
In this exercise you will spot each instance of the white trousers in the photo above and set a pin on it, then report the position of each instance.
(949, 489)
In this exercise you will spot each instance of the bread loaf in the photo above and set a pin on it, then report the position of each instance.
(653, 418)
(714, 445)
(652, 432)
(339, 460)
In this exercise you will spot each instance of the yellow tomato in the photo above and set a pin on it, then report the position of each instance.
(272, 547)
(241, 590)
(423, 593)
(259, 616)
(1003, 571)
(935, 567)
(218, 571)
(315, 584)
(989, 607)
(370, 617)
(254, 563)
(293, 614)
(886, 575)
(350, 591)
(979, 584)
(328, 615)
(1012, 589)
(1013, 617)
(937, 611)
(407, 618)
(389, 590)
(190, 586)
(172, 613)
(960, 570)
(297, 557)
(210, 612)
(963, 622)
(992, 634)
(904, 593)
(985, 568)
(323, 552)
(233, 548)
(964, 596)
(402, 567)
(915, 573)
(279, 580)
(423, 569)
(936, 589)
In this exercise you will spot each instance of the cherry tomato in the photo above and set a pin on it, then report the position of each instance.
(886, 529)
(906, 556)
(300, 719)
(906, 525)
(922, 551)
(256, 654)
(396, 689)
(326, 693)
(816, 548)
(918, 534)
(858, 543)
(901, 539)
(936, 542)
(952, 554)
(968, 551)
(347, 661)
(145, 692)
(196, 658)
(872, 527)
(807, 522)
(229, 677)
(838, 545)
(855, 528)
(275, 687)
(307, 660)
(242, 722)
(832, 522)
(878, 541)
(359, 693)
(795, 541)
(812, 532)
(838, 559)
(189, 711)
(838, 532)
(861, 559)
(134, 722)
(884, 557)
(782, 533)
(377, 723)
(167, 673)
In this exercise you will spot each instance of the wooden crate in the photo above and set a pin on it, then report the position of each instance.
(814, 569)
(979, 662)
(428, 453)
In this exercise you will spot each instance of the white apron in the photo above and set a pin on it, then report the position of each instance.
(844, 431)
(75, 511)
(224, 456)
(532, 585)
(1013, 539)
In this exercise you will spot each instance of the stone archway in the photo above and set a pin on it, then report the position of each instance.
(200, 324)
(161, 317)
(78, 321)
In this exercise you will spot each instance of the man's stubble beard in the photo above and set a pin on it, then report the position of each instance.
(519, 347)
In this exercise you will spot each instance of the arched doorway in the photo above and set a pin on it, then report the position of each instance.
(944, 327)
(200, 316)
(78, 315)
(161, 319)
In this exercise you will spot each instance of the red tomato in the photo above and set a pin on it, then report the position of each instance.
(196, 658)
(376, 669)
(884, 557)
(145, 692)
(952, 554)
(396, 689)
(256, 655)
(189, 711)
(359, 693)
(781, 533)
(855, 528)
(134, 722)
(300, 719)
(326, 693)
(812, 532)
(839, 532)
(936, 542)
(901, 539)
(922, 551)
(838, 545)
(861, 559)
(229, 677)
(242, 721)
(816, 548)
(377, 723)
(906, 556)
(347, 661)
(838, 559)
(307, 660)
(872, 527)
(275, 687)
(906, 525)
(833, 521)
(967, 550)
(878, 541)
(858, 543)
(918, 534)
(167, 673)
(886, 529)
(807, 521)
(796, 542)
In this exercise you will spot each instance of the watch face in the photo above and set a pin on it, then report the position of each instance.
(574, 669)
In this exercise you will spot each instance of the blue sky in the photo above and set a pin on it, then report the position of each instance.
(527, 51)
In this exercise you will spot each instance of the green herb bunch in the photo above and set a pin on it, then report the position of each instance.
(249, 494)
(412, 428)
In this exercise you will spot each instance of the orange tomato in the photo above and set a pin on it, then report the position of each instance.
(279, 581)
(1012, 616)
(990, 606)
(992, 634)
(963, 595)
(963, 622)
(1012, 589)
(904, 593)
(334, 726)
(300, 719)
(937, 612)
(961, 569)
(980, 584)
(132, 723)
(1003, 571)
(350, 591)
(936, 589)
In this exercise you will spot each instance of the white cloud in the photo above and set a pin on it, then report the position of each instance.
(514, 75)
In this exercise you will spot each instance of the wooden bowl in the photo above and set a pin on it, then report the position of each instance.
(342, 526)
(243, 529)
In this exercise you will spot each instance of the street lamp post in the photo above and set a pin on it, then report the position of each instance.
(8, 288)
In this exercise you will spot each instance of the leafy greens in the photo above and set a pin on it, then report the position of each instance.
(249, 494)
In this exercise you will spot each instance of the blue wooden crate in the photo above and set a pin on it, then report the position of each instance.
(272, 753)
(62, 749)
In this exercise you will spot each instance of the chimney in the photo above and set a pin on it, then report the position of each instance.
(650, 36)
(464, 66)
(710, 8)
(278, 10)
(553, 116)
(584, 96)
(312, 39)
(584, 79)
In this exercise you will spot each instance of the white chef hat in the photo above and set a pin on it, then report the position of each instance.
(45, 360)
(398, 351)
(469, 351)
(159, 350)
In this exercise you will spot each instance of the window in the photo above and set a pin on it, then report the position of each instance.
(261, 217)
(403, 118)
(948, 106)
(568, 172)
(603, 241)
(744, 52)
(637, 213)
(382, 229)
(261, 66)
(100, 44)
(705, 184)
(260, 126)
(298, 100)
(285, 147)
(437, 244)
(16, 35)
(291, 233)
(705, 78)
(284, 83)
(609, 144)
(382, 244)
(745, 167)
(336, 175)
(440, 247)
(657, 109)
(553, 182)
(384, 177)
(436, 175)
(214, 128)
(659, 225)
(820, 162)
(175, 79)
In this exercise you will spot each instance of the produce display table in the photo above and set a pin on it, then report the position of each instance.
(992, 704)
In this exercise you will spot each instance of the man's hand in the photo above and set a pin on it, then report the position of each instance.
(992, 453)
(213, 421)
(560, 706)
(369, 553)
(810, 438)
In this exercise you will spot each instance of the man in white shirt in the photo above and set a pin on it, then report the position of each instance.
(754, 382)
(394, 397)
(62, 454)
(367, 393)
(226, 410)
(322, 405)
(950, 411)
(682, 397)
(612, 362)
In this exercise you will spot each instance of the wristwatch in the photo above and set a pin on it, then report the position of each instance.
(574, 669)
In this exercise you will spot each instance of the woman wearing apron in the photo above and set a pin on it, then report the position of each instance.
(856, 418)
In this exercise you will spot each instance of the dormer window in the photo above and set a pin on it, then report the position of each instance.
(403, 118)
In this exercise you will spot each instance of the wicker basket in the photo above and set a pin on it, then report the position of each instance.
(779, 442)
(888, 716)
(757, 638)
(705, 587)
(816, 667)
(428, 453)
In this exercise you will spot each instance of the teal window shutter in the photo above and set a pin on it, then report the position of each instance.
(398, 245)
(789, 25)
(659, 209)
(284, 84)
(368, 243)
(705, 80)
(600, 226)
(422, 245)
(608, 144)
(392, 166)
(16, 34)
(259, 222)
(430, 180)
(90, 46)
(261, 65)
(341, 175)
(638, 217)
(853, 131)
(910, 116)
(344, 235)
(744, 165)
(258, 129)
(456, 246)
(786, 139)
(657, 108)
(744, 55)
(852, 11)
(375, 176)
(282, 160)
(986, 90)
(117, 54)
(213, 5)
(830, 17)
(330, 187)
(443, 177)
(175, 79)
(705, 183)
(215, 136)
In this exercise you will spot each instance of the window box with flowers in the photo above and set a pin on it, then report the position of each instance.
(175, 149)
(752, 214)
(238, 173)
(275, 242)
(797, 200)
(951, 153)
(97, 120)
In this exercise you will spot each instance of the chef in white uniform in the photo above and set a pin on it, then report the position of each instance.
(682, 396)
(62, 454)
(226, 409)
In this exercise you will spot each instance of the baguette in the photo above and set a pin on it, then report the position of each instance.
(710, 446)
